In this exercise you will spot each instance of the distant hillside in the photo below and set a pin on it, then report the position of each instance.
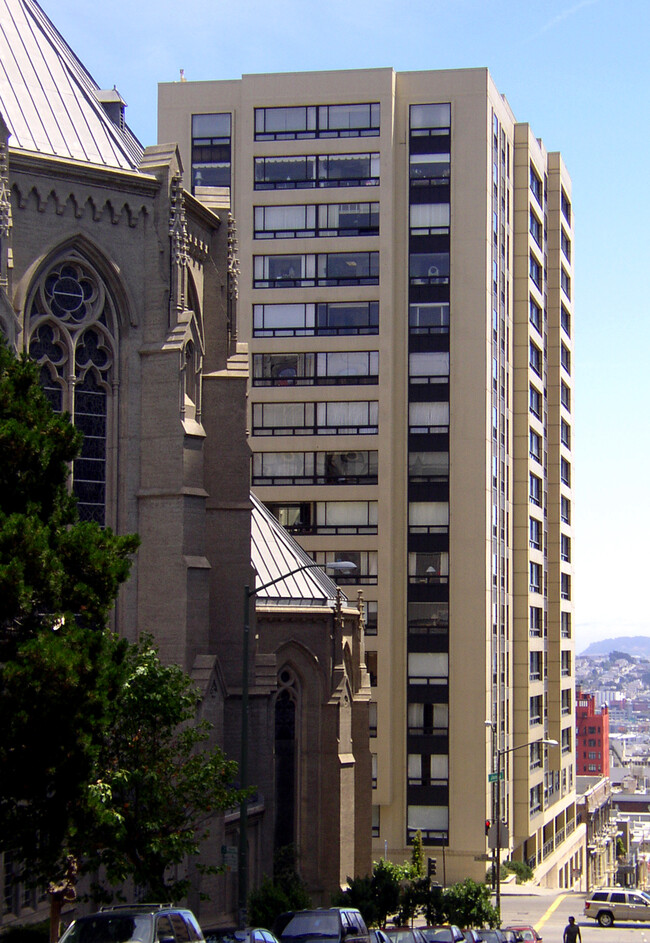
(631, 645)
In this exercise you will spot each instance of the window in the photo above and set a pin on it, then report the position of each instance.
(565, 741)
(535, 358)
(427, 719)
(330, 418)
(376, 822)
(428, 466)
(428, 668)
(535, 710)
(565, 548)
(346, 517)
(308, 369)
(325, 219)
(336, 268)
(70, 310)
(428, 517)
(536, 799)
(565, 282)
(535, 620)
(536, 229)
(535, 271)
(535, 402)
(327, 318)
(565, 358)
(211, 150)
(566, 702)
(536, 185)
(566, 207)
(430, 117)
(428, 618)
(429, 318)
(565, 624)
(429, 219)
(535, 577)
(429, 268)
(535, 315)
(535, 666)
(534, 533)
(565, 586)
(565, 395)
(371, 617)
(297, 518)
(565, 510)
(427, 769)
(309, 171)
(565, 243)
(565, 433)
(365, 561)
(428, 568)
(536, 755)
(372, 718)
(340, 468)
(429, 367)
(535, 446)
(565, 472)
(535, 490)
(371, 667)
(428, 418)
(565, 321)
(317, 121)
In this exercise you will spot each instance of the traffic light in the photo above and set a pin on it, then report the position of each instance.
(487, 826)
(431, 870)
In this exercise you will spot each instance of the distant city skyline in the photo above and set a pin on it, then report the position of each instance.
(579, 71)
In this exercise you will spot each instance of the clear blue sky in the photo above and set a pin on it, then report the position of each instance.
(579, 74)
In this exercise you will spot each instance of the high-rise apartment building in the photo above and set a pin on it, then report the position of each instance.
(406, 255)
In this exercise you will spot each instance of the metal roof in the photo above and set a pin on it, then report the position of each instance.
(48, 98)
(274, 552)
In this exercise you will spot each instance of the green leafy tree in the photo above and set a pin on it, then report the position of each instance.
(359, 894)
(469, 904)
(284, 893)
(59, 667)
(160, 783)
(417, 855)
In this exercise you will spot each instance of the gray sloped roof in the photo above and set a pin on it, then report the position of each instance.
(48, 98)
(274, 552)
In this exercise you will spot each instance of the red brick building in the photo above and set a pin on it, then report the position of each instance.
(592, 737)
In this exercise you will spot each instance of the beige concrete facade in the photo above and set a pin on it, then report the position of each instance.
(420, 197)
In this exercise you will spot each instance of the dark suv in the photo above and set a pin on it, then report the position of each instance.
(136, 923)
(334, 925)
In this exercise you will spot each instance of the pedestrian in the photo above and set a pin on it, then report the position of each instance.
(572, 932)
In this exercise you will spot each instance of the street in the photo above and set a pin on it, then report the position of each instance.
(548, 912)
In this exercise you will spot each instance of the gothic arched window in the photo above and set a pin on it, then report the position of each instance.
(286, 771)
(72, 335)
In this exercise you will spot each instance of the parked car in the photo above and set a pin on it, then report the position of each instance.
(230, 935)
(525, 932)
(135, 923)
(512, 936)
(379, 936)
(448, 933)
(491, 935)
(617, 903)
(333, 925)
(405, 935)
(472, 936)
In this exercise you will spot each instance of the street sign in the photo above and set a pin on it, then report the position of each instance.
(482, 857)
(493, 777)
(500, 838)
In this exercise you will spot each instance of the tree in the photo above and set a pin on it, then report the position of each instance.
(469, 904)
(158, 783)
(417, 855)
(58, 665)
(286, 892)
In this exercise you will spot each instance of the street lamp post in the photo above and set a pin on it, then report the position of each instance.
(499, 755)
(242, 858)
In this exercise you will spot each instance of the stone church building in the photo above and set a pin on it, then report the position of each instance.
(122, 287)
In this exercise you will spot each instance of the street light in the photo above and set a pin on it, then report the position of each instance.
(499, 755)
(343, 566)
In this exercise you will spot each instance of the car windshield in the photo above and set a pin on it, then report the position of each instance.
(312, 925)
(442, 933)
(110, 928)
